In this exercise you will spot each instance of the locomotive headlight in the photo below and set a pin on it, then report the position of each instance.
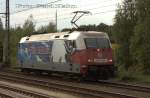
(89, 60)
(110, 60)
(84, 66)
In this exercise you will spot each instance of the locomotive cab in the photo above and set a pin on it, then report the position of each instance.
(96, 59)
(99, 57)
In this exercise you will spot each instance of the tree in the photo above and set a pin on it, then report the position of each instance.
(140, 47)
(16, 34)
(1, 24)
(66, 30)
(125, 21)
(28, 27)
(1, 39)
(42, 29)
(50, 28)
(103, 27)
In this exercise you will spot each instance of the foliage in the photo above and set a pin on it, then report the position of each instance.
(132, 33)
(16, 34)
(140, 47)
(123, 30)
(28, 27)
(1, 40)
(50, 28)
(102, 27)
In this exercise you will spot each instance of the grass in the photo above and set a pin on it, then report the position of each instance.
(132, 75)
(115, 46)
(144, 79)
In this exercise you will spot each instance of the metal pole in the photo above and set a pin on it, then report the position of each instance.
(6, 39)
(56, 20)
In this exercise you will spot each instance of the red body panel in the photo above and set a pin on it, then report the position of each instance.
(99, 56)
(89, 57)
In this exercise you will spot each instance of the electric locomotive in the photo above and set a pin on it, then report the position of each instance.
(87, 54)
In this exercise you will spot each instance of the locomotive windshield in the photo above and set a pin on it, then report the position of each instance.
(97, 43)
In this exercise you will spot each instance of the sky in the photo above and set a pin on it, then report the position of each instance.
(102, 11)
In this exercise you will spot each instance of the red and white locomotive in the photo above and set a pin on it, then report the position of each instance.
(83, 53)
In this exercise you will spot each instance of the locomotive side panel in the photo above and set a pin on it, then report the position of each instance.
(51, 55)
(62, 57)
(35, 54)
(85, 53)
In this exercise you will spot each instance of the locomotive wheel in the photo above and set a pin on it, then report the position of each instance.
(111, 73)
(25, 71)
(38, 72)
(92, 76)
(105, 74)
(49, 73)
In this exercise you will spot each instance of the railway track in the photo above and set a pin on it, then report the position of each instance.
(7, 91)
(126, 86)
(111, 84)
(73, 89)
(11, 92)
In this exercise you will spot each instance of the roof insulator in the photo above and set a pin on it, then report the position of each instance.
(66, 35)
(56, 36)
(27, 38)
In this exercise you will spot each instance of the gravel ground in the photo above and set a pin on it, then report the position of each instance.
(106, 88)
(48, 92)
(98, 87)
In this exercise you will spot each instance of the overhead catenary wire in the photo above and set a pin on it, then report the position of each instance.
(84, 10)
(99, 2)
(34, 7)
(62, 15)
(55, 2)
(71, 16)
(53, 19)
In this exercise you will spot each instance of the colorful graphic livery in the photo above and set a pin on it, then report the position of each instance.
(86, 54)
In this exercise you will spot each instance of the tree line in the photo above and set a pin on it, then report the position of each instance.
(132, 32)
(101, 27)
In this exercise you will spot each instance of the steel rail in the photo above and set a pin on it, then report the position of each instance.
(109, 84)
(126, 86)
(24, 92)
(63, 87)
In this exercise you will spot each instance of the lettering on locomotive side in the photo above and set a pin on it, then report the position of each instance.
(39, 50)
(35, 52)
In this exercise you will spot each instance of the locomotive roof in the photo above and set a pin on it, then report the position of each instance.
(62, 35)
